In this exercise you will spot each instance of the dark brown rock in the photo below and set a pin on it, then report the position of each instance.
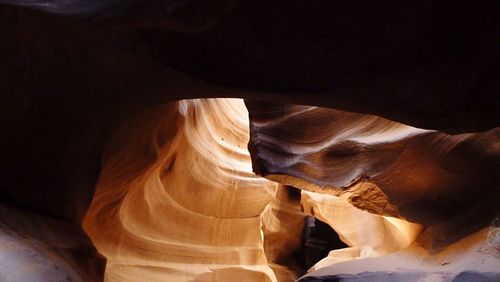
(445, 182)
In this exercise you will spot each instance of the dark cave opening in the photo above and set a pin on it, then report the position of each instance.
(318, 239)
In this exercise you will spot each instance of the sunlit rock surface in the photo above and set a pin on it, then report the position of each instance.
(366, 234)
(177, 199)
(445, 182)
(73, 70)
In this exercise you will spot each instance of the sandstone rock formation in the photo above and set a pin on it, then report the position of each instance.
(366, 234)
(471, 259)
(440, 181)
(177, 199)
(73, 72)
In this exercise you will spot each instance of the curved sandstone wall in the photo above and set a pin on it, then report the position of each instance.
(171, 207)
(177, 201)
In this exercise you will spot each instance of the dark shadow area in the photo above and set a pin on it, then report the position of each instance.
(318, 239)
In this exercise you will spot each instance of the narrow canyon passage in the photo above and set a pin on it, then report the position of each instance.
(177, 201)
(366, 146)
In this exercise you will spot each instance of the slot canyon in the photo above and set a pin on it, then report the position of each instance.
(231, 140)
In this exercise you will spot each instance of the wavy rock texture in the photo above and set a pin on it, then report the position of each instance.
(445, 182)
(177, 199)
(366, 234)
(282, 226)
(67, 83)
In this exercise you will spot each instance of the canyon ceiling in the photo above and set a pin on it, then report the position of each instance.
(387, 106)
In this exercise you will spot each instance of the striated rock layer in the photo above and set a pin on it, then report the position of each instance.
(67, 82)
(177, 199)
(445, 182)
(366, 234)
